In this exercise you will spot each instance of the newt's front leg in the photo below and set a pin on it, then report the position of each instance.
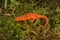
(25, 23)
(32, 20)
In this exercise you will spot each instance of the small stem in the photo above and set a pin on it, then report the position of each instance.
(5, 4)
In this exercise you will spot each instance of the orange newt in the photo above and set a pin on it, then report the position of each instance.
(32, 17)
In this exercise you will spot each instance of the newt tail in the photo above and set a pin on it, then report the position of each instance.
(44, 17)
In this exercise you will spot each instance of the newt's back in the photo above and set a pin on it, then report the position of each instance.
(32, 16)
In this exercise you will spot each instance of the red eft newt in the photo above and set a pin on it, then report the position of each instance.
(32, 17)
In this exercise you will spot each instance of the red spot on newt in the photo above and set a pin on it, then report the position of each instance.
(32, 17)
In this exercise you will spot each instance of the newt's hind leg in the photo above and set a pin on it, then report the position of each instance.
(32, 20)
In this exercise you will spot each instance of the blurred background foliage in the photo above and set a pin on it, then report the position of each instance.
(12, 30)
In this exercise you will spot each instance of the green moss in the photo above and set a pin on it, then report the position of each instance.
(12, 30)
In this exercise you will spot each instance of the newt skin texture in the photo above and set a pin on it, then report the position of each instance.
(32, 17)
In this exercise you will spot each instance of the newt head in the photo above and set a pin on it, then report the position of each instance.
(21, 18)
